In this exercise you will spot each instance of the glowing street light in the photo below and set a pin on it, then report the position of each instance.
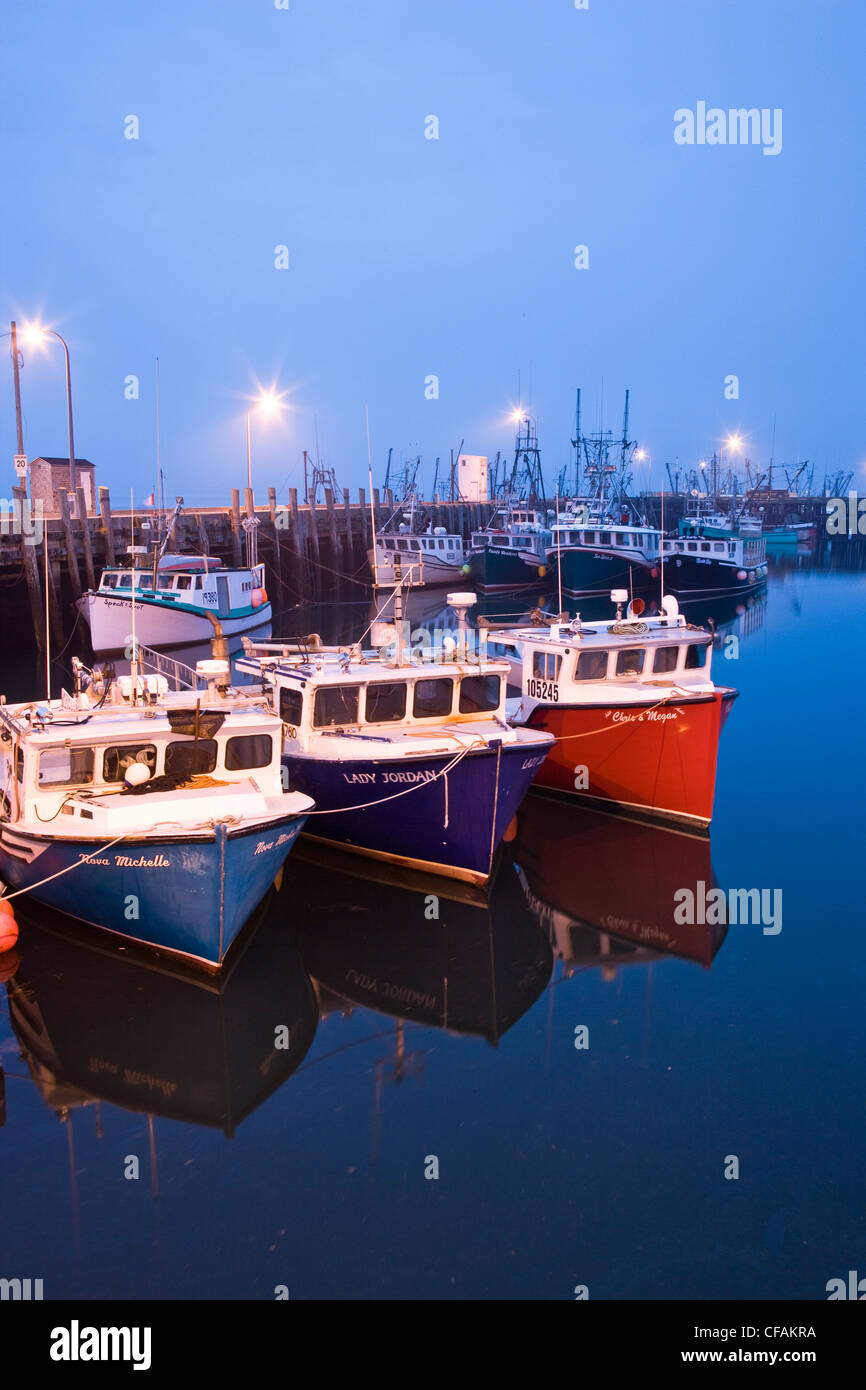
(268, 402)
(35, 335)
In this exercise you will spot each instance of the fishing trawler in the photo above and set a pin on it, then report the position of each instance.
(157, 815)
(631, 703)
(423, 559)
(173, 598)
(408, 754)
(510, 553)
(590, 556)
(701, 564)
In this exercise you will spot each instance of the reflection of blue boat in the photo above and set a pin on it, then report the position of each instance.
(99, 1023)
(159, 816)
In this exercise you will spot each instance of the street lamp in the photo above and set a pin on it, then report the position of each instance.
(34, 333)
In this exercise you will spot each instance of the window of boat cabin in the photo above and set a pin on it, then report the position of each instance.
(545, 665)
(630, 662)
(719, 546)
(145, 581)
(386, 702)
(623, 538)
(665, 659)
(605, 538)
(184, 581)
(335, 705)
(190, 757)
(479, 694)
(696, 656)
(109, 581)
(431, 699)
(165, 581)
(246, 751)
(692, 545)
(291, 705)
(118, 757)
(72, 767)
(591, 666)
(705, 545)
(124, 580)
(441, 545)
(402, 545)
(389, 545)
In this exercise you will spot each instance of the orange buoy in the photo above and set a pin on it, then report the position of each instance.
(8, 926)
(256, 598)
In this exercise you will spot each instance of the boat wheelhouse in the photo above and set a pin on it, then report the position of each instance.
(175, 600)
(419, 560)
(595, 557)
(409, 755)
(156, 815)
(510, 553)
(631, 704)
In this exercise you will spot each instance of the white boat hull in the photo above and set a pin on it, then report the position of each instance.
(157, 625)
(433, 571)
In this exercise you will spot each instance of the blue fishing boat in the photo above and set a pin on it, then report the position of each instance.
(157, 815)
(510, 553)
(407, 754)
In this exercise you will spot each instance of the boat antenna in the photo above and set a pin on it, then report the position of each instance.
(558, 550)
(47, 630)
(662, 552)
(372, 508)
(133, 664)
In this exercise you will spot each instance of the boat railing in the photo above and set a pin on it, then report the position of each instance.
(305, 646)
(177, 673)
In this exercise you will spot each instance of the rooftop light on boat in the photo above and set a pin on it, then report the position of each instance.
(636, 607)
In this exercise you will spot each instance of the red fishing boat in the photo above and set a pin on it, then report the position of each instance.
(631, 703)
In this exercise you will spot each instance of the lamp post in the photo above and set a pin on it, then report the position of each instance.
(35, 333)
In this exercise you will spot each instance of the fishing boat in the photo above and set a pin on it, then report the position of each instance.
(510, 553)
(631, 703)
(173, 597)
(699, 564)
(793, 535)
(590, 556)
(157, 815)
(408, 754)
(423, 559)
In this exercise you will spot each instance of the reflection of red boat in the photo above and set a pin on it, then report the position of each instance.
(604, 886)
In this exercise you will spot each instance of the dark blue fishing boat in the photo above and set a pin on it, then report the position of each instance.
(407, 754)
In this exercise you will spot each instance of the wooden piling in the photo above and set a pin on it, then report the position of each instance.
(85, 534)
(336, 559)
(301, 581)
(31, 573)
(69, 539)
(236, 528)
(105, 514)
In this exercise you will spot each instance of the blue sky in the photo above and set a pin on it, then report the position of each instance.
(412, 257)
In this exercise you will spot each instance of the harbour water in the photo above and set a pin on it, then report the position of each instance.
(390, 1095)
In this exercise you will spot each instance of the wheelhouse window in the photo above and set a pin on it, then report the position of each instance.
(109, 581)
(124, 581)
(291, 706)
(630, 662)
(480, 694)
(386, 702)
(118, 757)
(696, 656)
(432, 699)
(545, 665)
(605, 538)
(246, 751)
(591, 666)
(71, 767)
(335, 705)
(622, 538)
(184, 581)
(165, 581)
(190, 757)
(665, 659)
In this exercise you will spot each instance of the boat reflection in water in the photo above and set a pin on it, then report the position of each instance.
(95, 1023)
(603, 886)
(369, 939)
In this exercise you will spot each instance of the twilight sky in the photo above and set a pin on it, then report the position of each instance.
(411, 258)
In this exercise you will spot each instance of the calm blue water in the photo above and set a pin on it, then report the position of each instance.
(414, 1038)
